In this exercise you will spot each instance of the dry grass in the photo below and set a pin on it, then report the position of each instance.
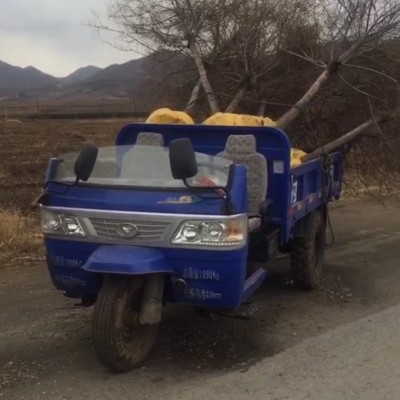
(19, 235)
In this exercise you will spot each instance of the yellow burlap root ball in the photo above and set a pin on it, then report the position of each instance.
(228, 119)
(295, 157)
(168, 116)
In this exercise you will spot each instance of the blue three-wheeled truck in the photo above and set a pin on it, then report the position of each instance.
(186, 214)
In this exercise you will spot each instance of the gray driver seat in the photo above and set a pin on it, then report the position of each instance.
(242, 149)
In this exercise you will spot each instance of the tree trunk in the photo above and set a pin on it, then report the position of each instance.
(347, 138)
(191, 104)
(212, 99)
(262, 109)
(287, 118)
(237, 99)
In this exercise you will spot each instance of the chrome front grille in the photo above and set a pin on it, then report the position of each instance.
(147, 231)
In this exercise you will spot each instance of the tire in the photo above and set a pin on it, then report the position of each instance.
(121, 344)
(307, 254)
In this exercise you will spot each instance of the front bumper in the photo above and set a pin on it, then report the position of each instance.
(214, 279)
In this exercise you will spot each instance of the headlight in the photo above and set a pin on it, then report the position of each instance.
(190, 232)
(216, 230)
(72, 226)
(212, 233)
(55, 223)
(51, 221)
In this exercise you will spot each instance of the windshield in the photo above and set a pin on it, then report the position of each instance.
(143, 166)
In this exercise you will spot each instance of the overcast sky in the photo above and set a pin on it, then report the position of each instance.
(50, 35)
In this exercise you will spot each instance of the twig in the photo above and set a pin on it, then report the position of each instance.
(372, 70)
(357, 89)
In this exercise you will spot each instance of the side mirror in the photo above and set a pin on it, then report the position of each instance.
(85, 162)
(182, 159)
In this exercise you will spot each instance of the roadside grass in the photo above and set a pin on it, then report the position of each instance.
(20, 236)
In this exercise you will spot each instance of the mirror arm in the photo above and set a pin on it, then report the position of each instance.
(68, 186)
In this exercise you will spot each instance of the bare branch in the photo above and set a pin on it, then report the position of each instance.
(304, 102)
(237, 99)
(349, 136)
(357, 89)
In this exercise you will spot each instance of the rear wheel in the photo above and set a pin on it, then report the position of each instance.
(120, 341)
(307, 254)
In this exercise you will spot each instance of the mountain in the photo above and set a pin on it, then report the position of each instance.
(14, 80)
(80, 75)
(147, 81)
(156, 76)
(135, 72)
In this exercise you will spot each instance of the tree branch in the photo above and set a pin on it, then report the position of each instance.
(237, 98)
(349, 136)
(287, 118)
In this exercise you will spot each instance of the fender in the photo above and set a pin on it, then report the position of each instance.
(127, 260)
(303, 227)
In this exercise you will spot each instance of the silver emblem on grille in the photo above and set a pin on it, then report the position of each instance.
(127, 230)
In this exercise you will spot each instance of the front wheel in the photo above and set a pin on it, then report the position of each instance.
(307, 254)
(120, 341)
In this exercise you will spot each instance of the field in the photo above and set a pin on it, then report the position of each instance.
(26, 146)
(63, 109)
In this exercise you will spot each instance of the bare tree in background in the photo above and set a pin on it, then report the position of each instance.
(349, 28)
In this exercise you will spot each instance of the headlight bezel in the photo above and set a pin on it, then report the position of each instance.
(62, 228)
(233, 233)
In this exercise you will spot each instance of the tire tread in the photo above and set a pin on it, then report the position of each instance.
(104, 332)
(302, 250)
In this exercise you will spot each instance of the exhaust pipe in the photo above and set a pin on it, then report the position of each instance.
(151, 310)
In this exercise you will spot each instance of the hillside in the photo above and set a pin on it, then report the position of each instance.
(80, 75)
(14, 80)
(147, 81)
(152, 76)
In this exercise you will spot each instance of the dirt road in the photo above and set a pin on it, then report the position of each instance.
(341, 342)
